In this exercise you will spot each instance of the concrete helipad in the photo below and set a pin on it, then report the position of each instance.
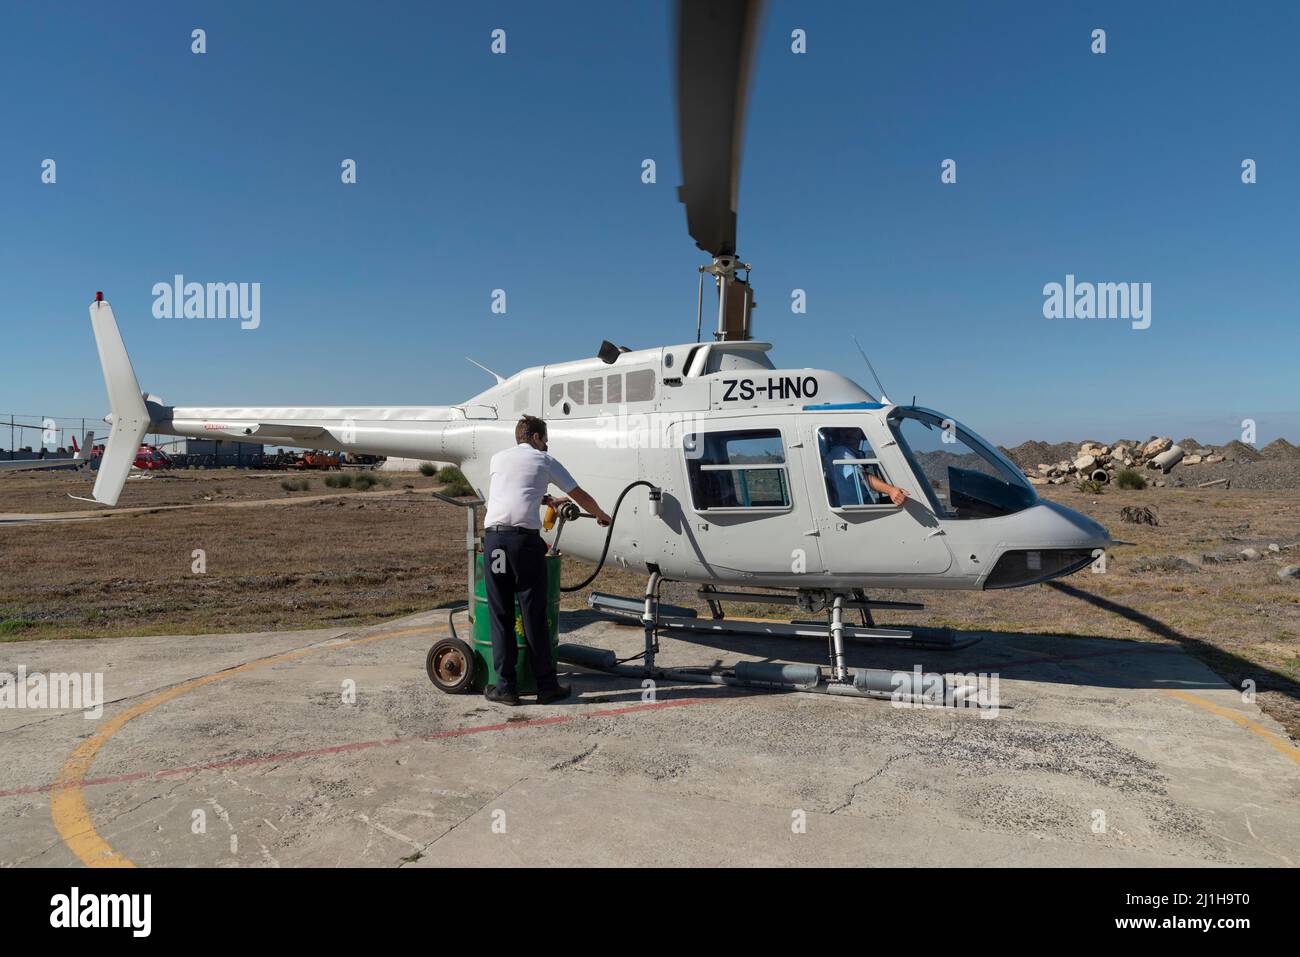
(244, 750)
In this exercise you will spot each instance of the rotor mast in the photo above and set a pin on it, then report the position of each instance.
(735, 298)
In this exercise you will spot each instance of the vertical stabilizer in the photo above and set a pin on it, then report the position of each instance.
(130, 415)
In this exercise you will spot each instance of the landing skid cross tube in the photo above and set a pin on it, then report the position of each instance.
(906, 687)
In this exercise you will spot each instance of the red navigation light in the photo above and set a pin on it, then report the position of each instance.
(99, 297)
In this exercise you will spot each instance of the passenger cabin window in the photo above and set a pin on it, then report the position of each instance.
(847, 460)
(641, 385)
(598, 390)
(737, 470)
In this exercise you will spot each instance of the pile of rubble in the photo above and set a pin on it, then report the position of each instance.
(1099, 463)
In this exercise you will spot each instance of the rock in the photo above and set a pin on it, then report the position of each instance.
(1037, 480)
(1290, 571)
(1274, 547)
(1059, 480)
(1156, 446)
(1044, 469)
(1219, 558)
(1168, 563)
(1160, 483)
(1249, 554)
(1192, 459)
(1085, 462)
(1211, 459)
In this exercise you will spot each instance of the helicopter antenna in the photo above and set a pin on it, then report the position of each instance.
(494, 375)
(883, 398)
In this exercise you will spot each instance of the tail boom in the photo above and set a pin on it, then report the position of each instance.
(444, 433)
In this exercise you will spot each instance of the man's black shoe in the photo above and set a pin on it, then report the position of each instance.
(493, 693)
(557, 692)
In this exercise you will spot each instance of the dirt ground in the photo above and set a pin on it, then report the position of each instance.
(47, 492)
(362, 557)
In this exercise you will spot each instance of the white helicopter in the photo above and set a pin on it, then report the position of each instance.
(756, 475)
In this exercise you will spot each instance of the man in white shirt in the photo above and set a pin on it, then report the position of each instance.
(515, 557)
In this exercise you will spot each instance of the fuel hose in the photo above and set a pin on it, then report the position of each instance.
(609, 533)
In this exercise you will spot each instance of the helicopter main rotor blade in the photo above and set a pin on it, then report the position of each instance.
(715, 53)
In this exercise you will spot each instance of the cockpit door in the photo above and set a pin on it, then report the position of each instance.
(859, 530)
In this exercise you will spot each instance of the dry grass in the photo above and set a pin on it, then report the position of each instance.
(47, 492)
(363, 557)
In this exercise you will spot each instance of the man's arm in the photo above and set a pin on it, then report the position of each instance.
(560, 476)
(588, 504)
(896, 495)
(585, 502)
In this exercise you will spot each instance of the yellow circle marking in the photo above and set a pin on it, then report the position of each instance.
(1274, 740)
(68, 801)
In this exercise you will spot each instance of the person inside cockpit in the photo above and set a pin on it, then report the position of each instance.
(851, 471)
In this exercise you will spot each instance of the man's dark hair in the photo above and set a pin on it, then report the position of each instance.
(530, 425)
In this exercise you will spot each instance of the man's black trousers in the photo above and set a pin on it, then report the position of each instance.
(514, 564)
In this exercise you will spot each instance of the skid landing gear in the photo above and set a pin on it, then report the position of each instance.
(909, 687)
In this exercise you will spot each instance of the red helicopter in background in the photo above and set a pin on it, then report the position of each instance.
(147, 457)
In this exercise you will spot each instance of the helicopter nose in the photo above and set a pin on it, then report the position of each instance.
(1074, 528)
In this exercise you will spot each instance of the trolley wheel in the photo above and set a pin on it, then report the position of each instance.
(451, 665)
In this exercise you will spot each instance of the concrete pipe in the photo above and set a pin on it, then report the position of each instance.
(1168, 458)
(1100, 475)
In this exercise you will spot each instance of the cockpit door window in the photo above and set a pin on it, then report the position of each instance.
(847, 460)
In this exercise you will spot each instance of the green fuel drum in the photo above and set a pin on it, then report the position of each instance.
(526, 681)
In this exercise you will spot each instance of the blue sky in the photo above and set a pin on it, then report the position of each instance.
(522, 172)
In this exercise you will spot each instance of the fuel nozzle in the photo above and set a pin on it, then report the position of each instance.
(567, 512)
(656, 501)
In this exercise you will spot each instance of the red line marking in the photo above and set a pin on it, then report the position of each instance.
(507, 726)
(358, 746)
